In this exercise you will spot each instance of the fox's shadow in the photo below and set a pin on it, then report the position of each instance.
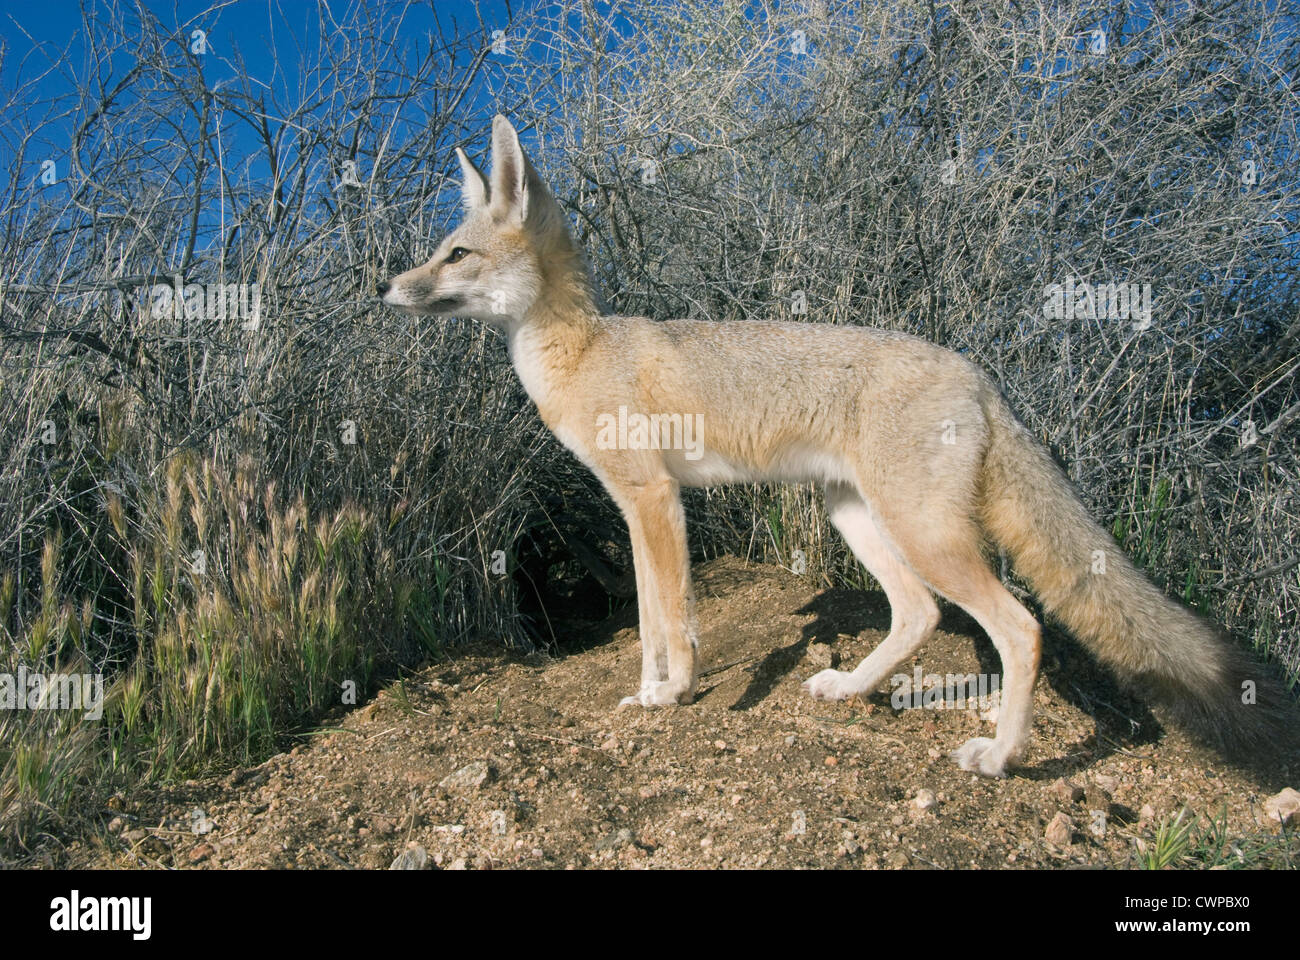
(1120, 722)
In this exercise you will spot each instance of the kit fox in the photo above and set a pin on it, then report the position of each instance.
(921, 459)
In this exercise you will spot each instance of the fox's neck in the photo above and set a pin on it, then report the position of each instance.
(547, 343)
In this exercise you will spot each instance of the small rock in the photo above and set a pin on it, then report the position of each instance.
(897, 860)
(924, 800)
(414, 857)
(1107, 783)
(116, 824)
(1147, 812)
(1066, 791)
(611, 744)
(136, 835)
(471, 777)
(459, 864)
(820, 656)
(1060, 830)
(1283, 806)
(200, 852)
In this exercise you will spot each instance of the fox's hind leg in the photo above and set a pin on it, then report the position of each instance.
(913, 613)
(944, 551)
(665, 598)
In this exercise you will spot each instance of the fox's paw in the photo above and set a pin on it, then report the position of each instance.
(661, 693)
(831, 685)
(983, 755)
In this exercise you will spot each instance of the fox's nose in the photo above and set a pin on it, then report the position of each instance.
(383, 286)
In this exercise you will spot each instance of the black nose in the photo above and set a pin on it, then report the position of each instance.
(383, 286)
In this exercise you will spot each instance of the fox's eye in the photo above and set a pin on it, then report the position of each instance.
(457, 254)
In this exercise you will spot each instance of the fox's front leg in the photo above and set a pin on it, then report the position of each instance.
(654, 646)
(665, 598)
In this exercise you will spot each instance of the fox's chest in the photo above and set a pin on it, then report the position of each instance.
(537, 376)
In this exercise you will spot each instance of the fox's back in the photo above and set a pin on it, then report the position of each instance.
(777, 399)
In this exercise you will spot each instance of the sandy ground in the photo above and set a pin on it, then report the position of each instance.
(492, 760)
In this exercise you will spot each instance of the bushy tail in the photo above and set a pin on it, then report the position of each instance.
(1170, 654)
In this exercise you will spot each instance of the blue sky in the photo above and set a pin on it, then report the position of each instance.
(265, 42)
(45, 39)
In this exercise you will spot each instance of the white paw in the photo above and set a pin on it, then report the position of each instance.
(831, 685)
(983, 755)
(661, 693)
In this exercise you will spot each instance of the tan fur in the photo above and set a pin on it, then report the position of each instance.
(920, 456)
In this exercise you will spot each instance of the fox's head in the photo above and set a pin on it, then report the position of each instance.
(512, 251)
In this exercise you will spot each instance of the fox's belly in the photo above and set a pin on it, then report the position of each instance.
(795, 464)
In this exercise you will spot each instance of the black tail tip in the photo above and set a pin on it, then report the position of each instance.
(1250, 718)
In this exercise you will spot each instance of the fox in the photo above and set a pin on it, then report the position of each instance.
(924, 466)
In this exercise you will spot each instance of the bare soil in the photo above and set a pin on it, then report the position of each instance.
(753, 774)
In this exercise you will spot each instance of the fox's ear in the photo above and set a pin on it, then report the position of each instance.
(511, 171)
(475, 188)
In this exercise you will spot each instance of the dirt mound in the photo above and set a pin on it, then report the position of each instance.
(492, 760)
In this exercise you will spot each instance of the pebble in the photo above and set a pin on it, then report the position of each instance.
(1060, 831)
(820, 656)
(1107, 783)
(1066, 791)
(472, 776)
(414, 857)
(1283, 806)
(924, 800)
